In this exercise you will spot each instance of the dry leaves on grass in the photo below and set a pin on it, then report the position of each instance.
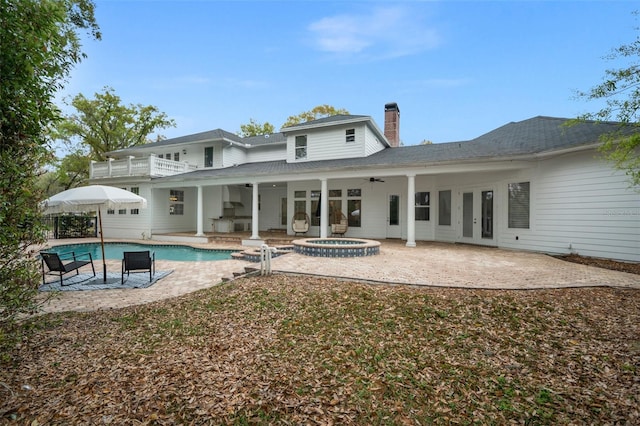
(293, 350)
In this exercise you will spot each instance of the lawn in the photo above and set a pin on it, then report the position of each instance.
(297, 350)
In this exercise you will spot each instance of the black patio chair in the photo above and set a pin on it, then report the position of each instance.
(139, 261)
(57, 266)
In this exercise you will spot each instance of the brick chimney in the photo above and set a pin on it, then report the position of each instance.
(392, 124)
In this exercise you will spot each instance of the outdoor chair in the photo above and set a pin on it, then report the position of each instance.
(139, 261)
(339, 225)
(57, 266)
(300, 223)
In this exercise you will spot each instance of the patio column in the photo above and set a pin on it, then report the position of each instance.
(254, 213)
(200, 214)
(411, 210)
(324, 203)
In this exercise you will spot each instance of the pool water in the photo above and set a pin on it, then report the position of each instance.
(163, 252)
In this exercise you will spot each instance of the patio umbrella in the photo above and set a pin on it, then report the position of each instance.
(94, 198)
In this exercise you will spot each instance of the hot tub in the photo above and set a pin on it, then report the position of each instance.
(336, 247)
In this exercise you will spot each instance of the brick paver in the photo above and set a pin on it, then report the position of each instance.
(428, 264)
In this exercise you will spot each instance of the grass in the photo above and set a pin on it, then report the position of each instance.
(291, 350)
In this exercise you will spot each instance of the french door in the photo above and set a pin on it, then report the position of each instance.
(477, 217)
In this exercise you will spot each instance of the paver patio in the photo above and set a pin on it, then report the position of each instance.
(428, 264)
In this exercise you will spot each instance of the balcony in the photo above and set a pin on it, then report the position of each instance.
(151, 166)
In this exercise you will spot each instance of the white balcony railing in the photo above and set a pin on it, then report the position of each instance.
(147, 166)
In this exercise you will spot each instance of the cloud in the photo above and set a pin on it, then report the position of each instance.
(379, 34)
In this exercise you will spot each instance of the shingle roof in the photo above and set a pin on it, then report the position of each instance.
(332, 119)
(517, 139)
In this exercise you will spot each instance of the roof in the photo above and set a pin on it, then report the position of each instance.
(521, 139)
(330, 120)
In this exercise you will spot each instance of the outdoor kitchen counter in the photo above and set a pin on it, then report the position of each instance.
(231, 224)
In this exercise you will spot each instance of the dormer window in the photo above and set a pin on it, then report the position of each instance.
(350, 135)
(301, 147)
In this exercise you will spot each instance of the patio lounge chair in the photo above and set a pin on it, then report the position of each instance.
(300, 223)
(339, 225)
(57, 266)
(139, 261)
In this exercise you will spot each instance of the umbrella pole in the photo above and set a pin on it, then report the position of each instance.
(104, 261)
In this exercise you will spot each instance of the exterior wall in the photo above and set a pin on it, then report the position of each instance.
(267, 153)
(163, 222)
(228, 156)
(131, 226)
(328, 143)
(581, 205)
(270, 217)
(372, 143)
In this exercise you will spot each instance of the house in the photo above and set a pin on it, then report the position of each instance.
(533, 185)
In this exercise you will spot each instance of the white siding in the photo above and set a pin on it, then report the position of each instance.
(130, 226)
(329, 143)
(372, 143)
(580, 205)
(267, 153)
(163, 222)
(229, 156)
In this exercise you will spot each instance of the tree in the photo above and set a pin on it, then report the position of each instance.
(39, 45)
(254, 128)
(621, 91)
(103, 124)
(318, 112)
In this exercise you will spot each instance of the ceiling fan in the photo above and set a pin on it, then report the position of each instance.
(375, 180)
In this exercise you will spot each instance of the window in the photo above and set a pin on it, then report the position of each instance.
(519, 205)
(301, 147)
(176, 156)
(444, 208)
(122, 211)
(335, 206)
(422, 205)
(350, 135)
(299, 202)
(111, 211)
(135, 190)
(176, 202)
(208, 156)
(354, 207)
(160, 156)
(315, 208)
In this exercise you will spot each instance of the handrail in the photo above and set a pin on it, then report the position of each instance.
(144, 166)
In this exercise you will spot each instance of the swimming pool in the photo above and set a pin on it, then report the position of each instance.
(162, 251)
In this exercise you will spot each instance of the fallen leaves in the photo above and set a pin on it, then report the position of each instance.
(296, 350)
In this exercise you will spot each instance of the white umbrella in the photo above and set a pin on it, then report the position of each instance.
(94, 198)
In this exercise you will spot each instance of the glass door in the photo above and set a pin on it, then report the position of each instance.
(477, 225)
(393, 218)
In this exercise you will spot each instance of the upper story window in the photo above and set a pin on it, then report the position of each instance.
(176, 156)
(350, 135)
(208, 156)
(301, 147)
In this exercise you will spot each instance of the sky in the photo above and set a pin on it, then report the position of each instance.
(456, 69)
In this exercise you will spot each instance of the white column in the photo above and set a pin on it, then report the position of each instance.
(200, 216)
(254, 213)
(324, 204)
(411, 210)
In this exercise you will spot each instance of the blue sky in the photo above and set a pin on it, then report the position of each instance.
(457, 69)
